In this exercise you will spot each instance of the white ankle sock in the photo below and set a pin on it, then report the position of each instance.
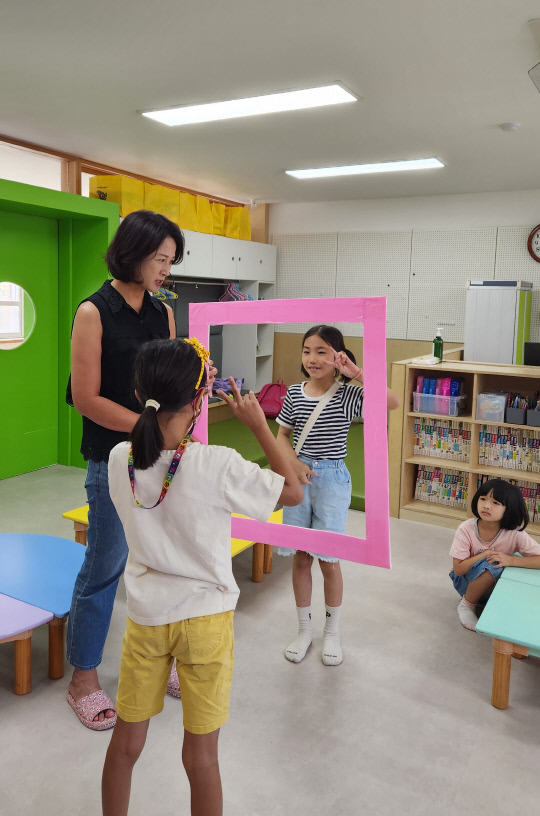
(298, 648)
(467, 615)
(331, 653)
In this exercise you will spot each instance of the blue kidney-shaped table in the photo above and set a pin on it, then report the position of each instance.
(37, 576)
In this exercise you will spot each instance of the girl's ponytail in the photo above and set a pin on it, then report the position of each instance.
(146, 439)
(168, 374)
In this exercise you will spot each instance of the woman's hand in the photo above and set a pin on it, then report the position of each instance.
(246, 408)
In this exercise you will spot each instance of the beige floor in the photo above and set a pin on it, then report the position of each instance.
(403, 726)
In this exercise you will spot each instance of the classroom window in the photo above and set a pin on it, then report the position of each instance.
(17, 315)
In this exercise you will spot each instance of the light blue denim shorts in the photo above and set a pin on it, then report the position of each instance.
(326, 501)
(461, 582)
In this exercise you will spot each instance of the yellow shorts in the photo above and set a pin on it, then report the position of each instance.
(203, 648)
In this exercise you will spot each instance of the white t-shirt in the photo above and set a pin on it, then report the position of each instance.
(467, 542)
(179, 562)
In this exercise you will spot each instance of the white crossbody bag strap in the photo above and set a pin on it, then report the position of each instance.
(324, 400)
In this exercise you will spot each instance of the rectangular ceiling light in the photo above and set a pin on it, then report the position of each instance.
(253, 106)
(361, 169)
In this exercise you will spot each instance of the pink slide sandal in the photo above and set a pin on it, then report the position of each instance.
(173, 686)
(87, 707)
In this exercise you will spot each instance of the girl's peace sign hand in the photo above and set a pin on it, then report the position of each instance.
(245, 407)
(345, 366)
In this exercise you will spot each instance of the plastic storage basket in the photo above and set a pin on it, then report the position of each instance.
(438, 405)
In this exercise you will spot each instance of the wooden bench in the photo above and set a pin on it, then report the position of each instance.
(262, 553)
(37, 576)
(511, 619)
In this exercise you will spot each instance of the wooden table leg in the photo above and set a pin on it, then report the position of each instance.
(80, 532)
(23, 663)
(257, 564)
(502, 657)
(268, 555)
(56, 648)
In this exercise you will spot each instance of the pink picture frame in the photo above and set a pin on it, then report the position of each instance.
(374, 549)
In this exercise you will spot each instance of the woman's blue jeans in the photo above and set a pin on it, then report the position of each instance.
(95, 587)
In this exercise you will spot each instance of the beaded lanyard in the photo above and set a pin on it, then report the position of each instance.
(168, 478)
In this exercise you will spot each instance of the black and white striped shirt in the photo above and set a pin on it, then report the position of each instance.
(328, 437)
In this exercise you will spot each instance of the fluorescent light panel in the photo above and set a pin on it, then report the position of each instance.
(361, 169)
(254, 106)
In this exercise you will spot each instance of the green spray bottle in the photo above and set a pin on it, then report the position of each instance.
(438, 346)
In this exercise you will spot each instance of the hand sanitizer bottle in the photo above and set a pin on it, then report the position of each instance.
(438, 346)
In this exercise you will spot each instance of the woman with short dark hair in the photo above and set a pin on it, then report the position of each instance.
(109, 328)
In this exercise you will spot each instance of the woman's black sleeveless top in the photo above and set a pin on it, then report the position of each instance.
(124, 332)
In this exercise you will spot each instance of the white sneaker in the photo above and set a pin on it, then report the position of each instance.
(467, 615)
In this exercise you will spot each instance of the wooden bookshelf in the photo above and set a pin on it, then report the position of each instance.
(404, 463)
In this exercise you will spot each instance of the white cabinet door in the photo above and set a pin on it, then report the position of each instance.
(265, 262)
(225, 254)
(197, 261)
(234, 259)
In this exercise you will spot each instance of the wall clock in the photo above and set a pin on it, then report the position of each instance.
(533, 243)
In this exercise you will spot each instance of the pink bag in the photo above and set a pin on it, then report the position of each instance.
(271, 398)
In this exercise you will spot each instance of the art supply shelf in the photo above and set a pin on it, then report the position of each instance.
(441, 457)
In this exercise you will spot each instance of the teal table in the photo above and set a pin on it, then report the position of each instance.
(511, 618)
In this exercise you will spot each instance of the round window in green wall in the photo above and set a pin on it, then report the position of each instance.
(17, 315)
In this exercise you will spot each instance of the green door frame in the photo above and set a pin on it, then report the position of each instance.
(85, 229)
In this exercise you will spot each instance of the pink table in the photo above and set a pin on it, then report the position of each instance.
(17, 622)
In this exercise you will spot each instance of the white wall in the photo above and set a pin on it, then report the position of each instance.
(417, 252)
(428, 212)
(20, 164)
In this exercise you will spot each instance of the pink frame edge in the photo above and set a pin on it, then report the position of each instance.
(374, 549)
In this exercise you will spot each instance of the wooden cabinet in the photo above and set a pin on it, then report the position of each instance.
(405, 462)
(247, 350)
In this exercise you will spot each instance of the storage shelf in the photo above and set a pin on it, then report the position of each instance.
(507, 473)
(478, 378)
(459, 418)
(438, 509)
(504, 424)
(454, 464)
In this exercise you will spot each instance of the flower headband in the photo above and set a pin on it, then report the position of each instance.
(203, 355)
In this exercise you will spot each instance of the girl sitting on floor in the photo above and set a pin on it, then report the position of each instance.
(485, 544)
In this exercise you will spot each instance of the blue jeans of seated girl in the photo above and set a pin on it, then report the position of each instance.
(95, 586)
(326, 501)
(461, 582)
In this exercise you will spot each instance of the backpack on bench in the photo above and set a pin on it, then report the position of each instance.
(271, 398)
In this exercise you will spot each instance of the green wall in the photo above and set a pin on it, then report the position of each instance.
(52, 244)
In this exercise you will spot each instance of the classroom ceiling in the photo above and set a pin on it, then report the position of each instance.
(436, 77)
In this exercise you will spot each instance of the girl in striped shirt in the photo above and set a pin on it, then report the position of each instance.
(322, 472)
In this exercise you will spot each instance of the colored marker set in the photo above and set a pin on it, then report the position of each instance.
(439, 395)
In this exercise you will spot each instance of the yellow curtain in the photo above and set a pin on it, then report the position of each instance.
(205, 220)
(188, 212)
(127, 192)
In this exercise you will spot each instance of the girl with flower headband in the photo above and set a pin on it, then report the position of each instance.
(175, 498)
